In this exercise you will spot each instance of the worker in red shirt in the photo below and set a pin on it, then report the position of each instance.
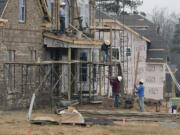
(116, 89)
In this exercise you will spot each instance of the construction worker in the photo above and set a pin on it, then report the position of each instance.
(62, 17)
(140, 92)
(105, 50)
(116, 89)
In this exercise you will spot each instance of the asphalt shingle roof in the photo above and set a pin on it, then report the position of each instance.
(157, 42)
(2, 5)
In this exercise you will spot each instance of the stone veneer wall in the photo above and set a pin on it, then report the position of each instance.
(21, 37)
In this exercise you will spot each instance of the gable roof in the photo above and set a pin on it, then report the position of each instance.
(2, 6)
(157, 47)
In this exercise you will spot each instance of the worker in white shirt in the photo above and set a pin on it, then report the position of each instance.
(62, 17)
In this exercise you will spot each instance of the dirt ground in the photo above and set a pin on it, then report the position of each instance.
(14, 123)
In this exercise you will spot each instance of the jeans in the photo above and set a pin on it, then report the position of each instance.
(116, 96)
(141, 103)
(62, 23)
(105, 56)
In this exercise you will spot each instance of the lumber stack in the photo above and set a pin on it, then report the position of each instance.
(130, 116)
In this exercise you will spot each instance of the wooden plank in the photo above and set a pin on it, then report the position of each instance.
(136, 73)
(46, 10)
(3, 20)
(100, 74)
(75, 42)
(69, 74)
(156, 58)
(4, 9)
(90, 73)
(110, 43)
(40, 6)
(104, 28)
(46, 25)
(156, 63)
(79, 31)
(138, 26)
(156, 49)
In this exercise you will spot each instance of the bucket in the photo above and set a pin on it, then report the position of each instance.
(174, 111)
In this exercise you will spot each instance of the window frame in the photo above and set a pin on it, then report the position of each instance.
(83, 67)
(23, 19)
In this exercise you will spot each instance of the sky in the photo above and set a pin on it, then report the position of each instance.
(172, 5)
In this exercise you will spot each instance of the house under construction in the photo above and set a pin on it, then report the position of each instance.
(36, 58)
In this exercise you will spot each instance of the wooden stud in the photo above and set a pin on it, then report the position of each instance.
(95, 29)
(90, 73)
(136, 73)
(100, 74)
(173, 89)
(69, 74)
(4, 9)
(111, 44)
(58, 21)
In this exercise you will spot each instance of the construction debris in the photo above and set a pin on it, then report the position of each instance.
(44, 121)
(71, 116)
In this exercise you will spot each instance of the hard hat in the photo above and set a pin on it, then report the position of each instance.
(119, 78)
(63, 4)
(142, 80)
(107, 42)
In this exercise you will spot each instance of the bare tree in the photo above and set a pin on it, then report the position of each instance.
(164, 21)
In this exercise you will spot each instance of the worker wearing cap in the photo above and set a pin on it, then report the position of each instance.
(140, 92)
(105, 50)
(62, 17)
(116, 89)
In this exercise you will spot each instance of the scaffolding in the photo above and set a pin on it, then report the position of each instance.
(51, 83)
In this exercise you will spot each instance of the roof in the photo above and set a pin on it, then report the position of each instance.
(2, 6)
(157, 47)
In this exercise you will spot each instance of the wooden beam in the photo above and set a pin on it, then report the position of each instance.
(4, 9)
(100, 74)
(110, 43)
(156, 58)
(40, 6)
(138, 26)
(104, 28)
(79, 31)
(156, 50)
(173, 89)
(47, 11)
(90, 73)
(156, 63)
(69, 74)
(75, 42)
(136, 73)
(46, 25)
(3, 20)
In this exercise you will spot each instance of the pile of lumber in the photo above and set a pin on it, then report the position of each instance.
(130, 116)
